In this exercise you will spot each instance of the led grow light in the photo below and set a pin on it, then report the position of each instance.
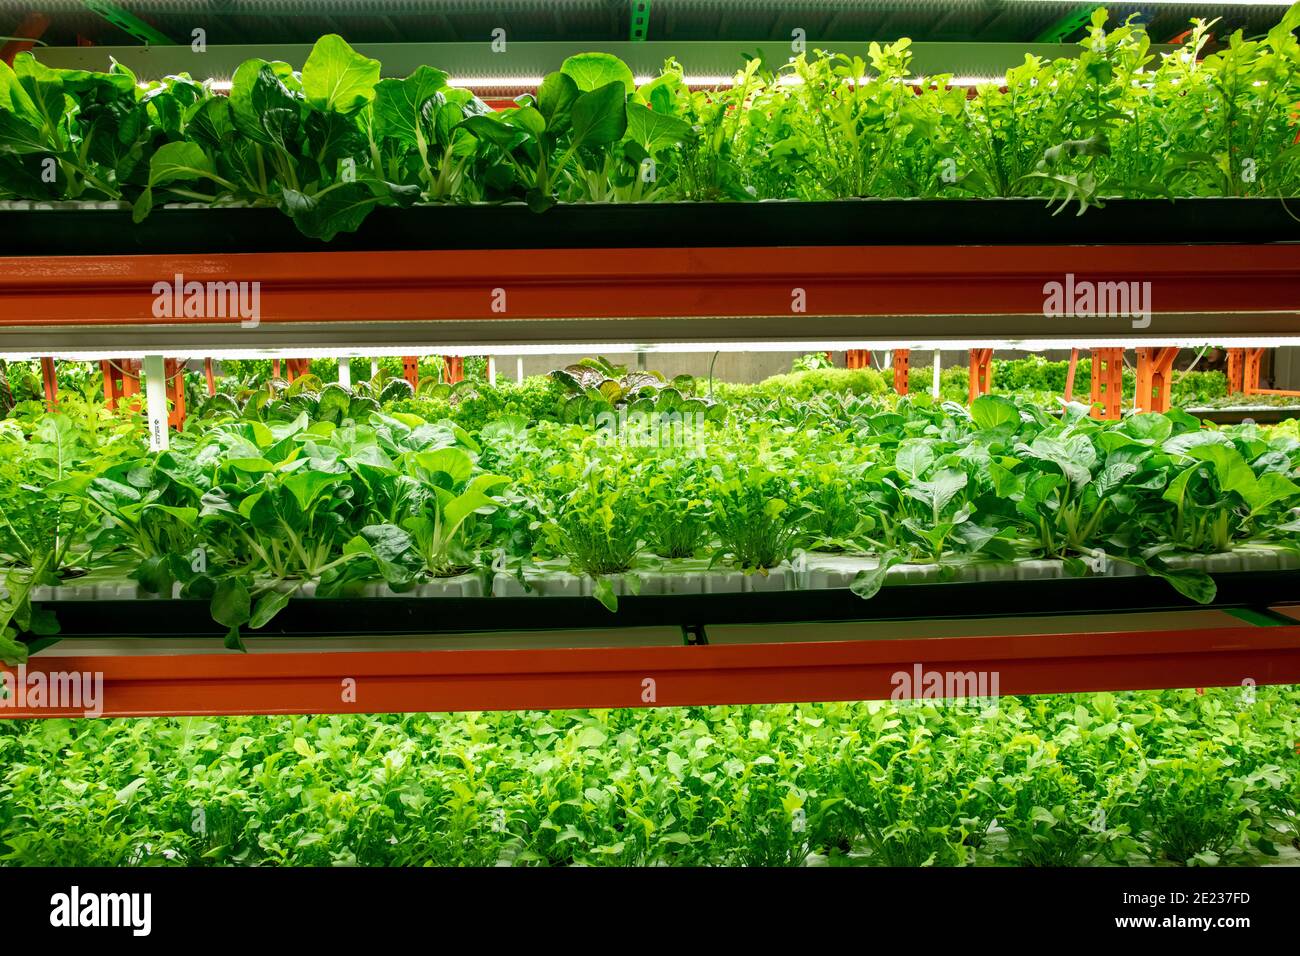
(616, 347)
(691, 80)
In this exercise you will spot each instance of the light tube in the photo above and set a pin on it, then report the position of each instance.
(603, 348)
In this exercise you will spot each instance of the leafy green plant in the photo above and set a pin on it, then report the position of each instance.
(764, 785)
(756, 517)
(331, 142)
(1191, 819)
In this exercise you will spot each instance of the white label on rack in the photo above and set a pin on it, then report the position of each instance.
(155, 385)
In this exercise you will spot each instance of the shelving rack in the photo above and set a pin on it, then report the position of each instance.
(77, 284)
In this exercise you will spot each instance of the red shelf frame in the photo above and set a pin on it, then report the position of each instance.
(452, 680)
(40, 292)
(42, 295)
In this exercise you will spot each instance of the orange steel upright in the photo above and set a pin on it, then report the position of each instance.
(981, 362)
(130, 379)
(411, 369)
(1107, 383)
(1154, 373)
(902, 366)
(1069, 375)
(25, 35)
(857, 358)
(112, 373)
(453, 369)
(298, 367)
(174, 372)
(210, 377)
(121, 380)
(51, 382)
(1251, 375)
(1236, 371)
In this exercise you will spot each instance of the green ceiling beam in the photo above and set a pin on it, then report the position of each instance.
(1065, 27)
(640, 20)
(125, 20)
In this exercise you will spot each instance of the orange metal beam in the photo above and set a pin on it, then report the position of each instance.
(413, 681)
(1069, 375)
(683, 282)
(1251, 373)
(453, 369)
(411, 369)
(902, 368)
(1154, 378)
(981, 372)
(1236, 371)
(857, 358)
(210, 377)
(174, 370)
(1107, 383)
(31, 26)
(130, 378)
(51, 382)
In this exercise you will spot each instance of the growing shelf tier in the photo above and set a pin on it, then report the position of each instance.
(835, 275)
(161, 656)
(79, 281)
(653, 667)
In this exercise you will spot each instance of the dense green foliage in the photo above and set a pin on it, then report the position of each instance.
(1162, 778)
(1032, 378)
(310, 484)
(329, 143)
(802, 385)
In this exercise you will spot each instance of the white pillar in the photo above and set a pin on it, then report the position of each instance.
(374, 367)
(345, 372)
(519, 370)
(934, 387)
(155, 388)
(492, 370)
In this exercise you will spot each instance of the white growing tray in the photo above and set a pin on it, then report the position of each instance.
(811, 571)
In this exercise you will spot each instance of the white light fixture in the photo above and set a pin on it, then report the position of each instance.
(604, 348)
(702, 80)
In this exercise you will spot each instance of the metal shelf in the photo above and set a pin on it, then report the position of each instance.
(852, 297)
(320, 680)
(164, 657)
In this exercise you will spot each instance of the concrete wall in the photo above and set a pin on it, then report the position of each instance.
(741, 367)
(1286, 368)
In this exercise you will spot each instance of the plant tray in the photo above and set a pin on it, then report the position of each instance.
(817, 589)
(102, 229)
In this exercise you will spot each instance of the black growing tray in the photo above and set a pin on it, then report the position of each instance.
(408, 616)
(87, 231)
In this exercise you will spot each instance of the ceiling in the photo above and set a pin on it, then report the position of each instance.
(239, 22)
